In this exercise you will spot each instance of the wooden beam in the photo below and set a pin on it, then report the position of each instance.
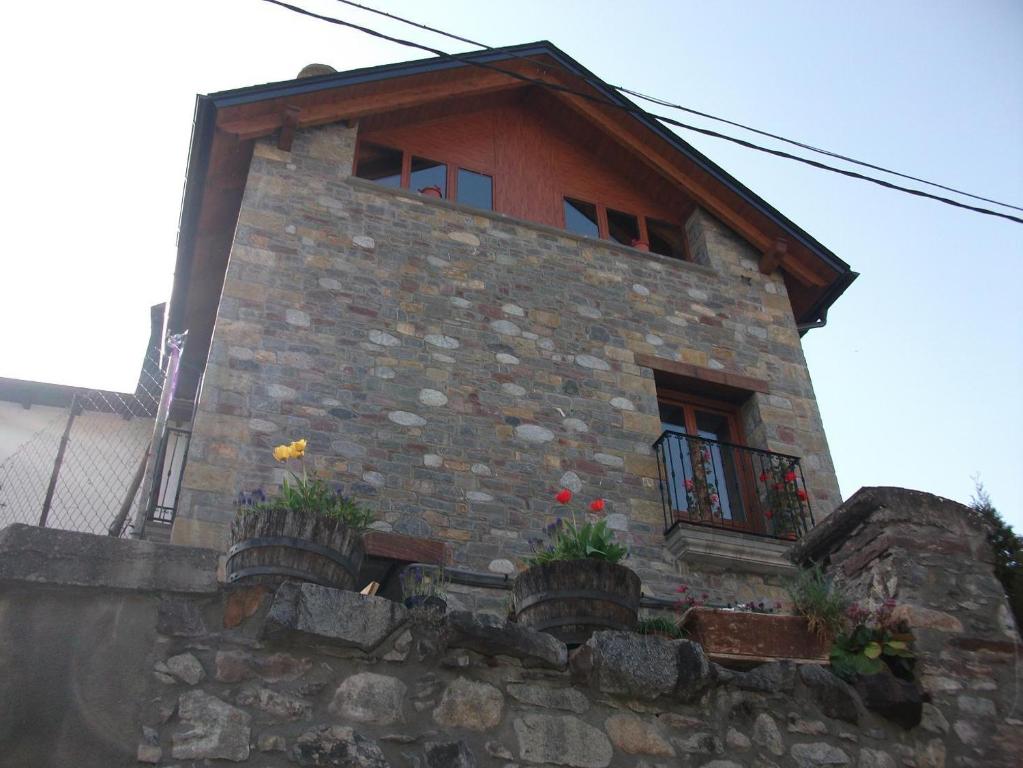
(771, 259)
(289, 122)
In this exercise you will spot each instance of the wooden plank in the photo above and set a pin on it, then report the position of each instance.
(289, 122)
(395, 546)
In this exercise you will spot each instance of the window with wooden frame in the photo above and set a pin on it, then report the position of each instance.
(642, 232)
(397, 168)
(707, 479)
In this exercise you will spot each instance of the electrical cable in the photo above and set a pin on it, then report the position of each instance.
(638, 111)
(670, 105)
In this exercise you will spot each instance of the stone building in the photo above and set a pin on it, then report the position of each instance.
(469, 283)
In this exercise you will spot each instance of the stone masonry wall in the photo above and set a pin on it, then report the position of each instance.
(931, 556)
(453, 369)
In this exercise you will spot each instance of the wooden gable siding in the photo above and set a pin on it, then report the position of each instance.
(537, 154)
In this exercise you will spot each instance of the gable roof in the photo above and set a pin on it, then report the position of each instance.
(226, 123)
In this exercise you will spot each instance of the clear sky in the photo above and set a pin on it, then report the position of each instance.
(919, 372)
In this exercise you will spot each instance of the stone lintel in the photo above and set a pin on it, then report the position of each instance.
(67, 558)
(729, 550)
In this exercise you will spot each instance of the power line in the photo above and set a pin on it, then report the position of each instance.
(690, 110)
(637, 111)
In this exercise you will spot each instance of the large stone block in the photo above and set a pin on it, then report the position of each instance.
(333, 616)
(562, 740)
(493, 635)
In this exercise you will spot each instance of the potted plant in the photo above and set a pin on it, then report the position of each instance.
(307, 532)
(748, 632)
(818, 600)
(423, 587)
(659, 626)
(574, 584)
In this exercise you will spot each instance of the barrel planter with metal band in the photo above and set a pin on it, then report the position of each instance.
(572, 599)
(273, 546)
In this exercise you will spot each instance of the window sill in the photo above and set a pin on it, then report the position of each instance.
(729, 550)
(368, 186)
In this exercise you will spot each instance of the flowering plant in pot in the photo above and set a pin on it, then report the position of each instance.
(575, 583)
(425, 587)
(306, 531)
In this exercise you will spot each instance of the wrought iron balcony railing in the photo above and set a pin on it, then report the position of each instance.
(708, 482)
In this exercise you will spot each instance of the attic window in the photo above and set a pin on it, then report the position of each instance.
(380, 164)
(475, 189)
(667, 239)
(428, 175)
(581, 218)
(622, 227)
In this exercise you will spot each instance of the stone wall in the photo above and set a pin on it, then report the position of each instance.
(120, 653)
(454, 368)
(931, 556)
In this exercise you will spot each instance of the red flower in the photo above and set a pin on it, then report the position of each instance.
(597, 505)
(713, 498)
(790, 476)
(682, 589)
(778, 486)
(689, 485)
(763, 476)
(769, 514)
(564, 496)
(801, 494)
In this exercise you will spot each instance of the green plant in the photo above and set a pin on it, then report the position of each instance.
(571, 541)
(876, 641)
(420, 581)
(1008, 550)
(306, 493)
(659, 625)
(823, 604)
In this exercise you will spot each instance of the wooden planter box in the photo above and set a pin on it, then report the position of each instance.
(270, 547)
(571, 599)
(742, 636)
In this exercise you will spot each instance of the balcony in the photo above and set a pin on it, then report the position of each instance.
(720, 485)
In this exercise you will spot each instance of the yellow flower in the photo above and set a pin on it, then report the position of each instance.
(282, 452)
(298, 449)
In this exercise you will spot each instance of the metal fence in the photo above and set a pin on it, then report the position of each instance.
(85, 467)
(722, 485)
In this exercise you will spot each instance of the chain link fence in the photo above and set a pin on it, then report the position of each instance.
(83, 469)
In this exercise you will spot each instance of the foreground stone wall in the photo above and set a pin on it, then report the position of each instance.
(454, 368)
(931, 556)
(102, 667)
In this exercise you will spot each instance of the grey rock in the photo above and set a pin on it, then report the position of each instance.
(897, 700)
(694, 670)
(575, 425)
(439, 340)
(384, 339)
(797, 724)
(494, 635)
(282, 706)
(976, 707)
(334, 616)
(400, 650)
(236, 666)
(834, 697)
(449, 754)
(561, 740)
(367, 697)
(432, 397)
(505, 359)
(505, 327)
(594, 363)
(571, 481)
(720, 764)
(568, 699)
(336, 745)
(513, 390)
(214, 729)
(699, 744)
(775, 677)
(271, 743)
(622, 403)
(534, 433)
(767, 735)
(186, 668)
(875, 758)
(179, 617)
(628, 664)
(818, 754)
(149, 753)
(933, 720)
(496, 749)
(406, 419)
(469, 704)
(737, 740)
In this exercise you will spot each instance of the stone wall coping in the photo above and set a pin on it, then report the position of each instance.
(67, 558)
(368, 186)
(828, 535)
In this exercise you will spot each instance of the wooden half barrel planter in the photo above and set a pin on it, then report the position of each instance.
(571, 599)
(272, 546)
(749, 637)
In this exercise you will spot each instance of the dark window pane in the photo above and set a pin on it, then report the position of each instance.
(581, 218)
(475, 189)
(427, 174)
(666, 239)
(380, 164)
(622, 227)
